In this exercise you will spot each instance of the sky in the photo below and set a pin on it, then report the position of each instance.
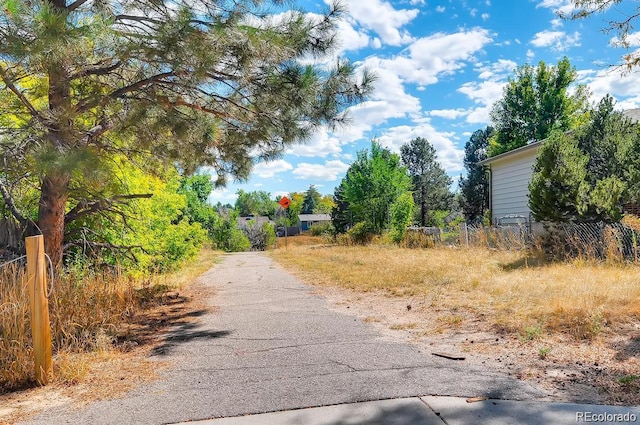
(440, 66)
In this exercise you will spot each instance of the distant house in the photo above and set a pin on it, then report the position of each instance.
(309, 220)
(509, 177)
(243, 222)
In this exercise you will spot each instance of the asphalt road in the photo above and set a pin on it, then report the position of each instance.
(273, 345)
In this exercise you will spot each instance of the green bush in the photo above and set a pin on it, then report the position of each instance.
(322, 229)
(401, 215)
(360, 234)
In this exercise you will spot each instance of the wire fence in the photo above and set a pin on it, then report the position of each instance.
(610, 241)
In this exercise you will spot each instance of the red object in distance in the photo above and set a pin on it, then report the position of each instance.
(284, 202)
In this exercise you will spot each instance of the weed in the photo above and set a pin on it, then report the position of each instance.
(544, 352)
(628, 379)
(530, 333)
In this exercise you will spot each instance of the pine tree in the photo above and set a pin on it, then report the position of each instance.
(474, 188)
(203, 83)
(430, 181)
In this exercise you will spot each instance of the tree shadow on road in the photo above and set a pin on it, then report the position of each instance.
(186, 332)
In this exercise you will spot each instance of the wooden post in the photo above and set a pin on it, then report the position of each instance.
(40, 329)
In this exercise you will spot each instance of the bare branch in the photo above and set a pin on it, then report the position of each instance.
(86, 208)
(9, 83)
(124, 90)
(9, 202)
(76, 4)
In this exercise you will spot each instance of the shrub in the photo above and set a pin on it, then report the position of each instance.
(360, 234)
(322, 229)
(260, 236)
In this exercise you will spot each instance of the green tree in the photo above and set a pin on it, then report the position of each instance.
(197, 189)
(311, 201)
(430, 181)
(207, 84)
(325, 205)
(402, 211)
(227, 236)
(146, 234)
(257, 203)
(558, 178)
(372, 184)
(535, 102)
(588, 174)
(474, 187)
(341, 217)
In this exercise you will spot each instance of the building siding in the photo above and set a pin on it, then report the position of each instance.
(510, 177)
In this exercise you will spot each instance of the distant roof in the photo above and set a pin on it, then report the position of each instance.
(243, 221)
(314, 217)
(531, 145)
(632, 114)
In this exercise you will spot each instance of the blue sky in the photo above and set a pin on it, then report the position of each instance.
(440, 66)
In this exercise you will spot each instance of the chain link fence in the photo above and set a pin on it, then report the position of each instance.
(600, 241)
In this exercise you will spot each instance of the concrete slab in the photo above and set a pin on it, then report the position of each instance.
(456, 411)
(385, 412)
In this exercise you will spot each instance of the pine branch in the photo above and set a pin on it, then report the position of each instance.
(121, 92)
(84, 208)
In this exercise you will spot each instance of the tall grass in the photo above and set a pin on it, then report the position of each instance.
(86, 308)
(508, 290)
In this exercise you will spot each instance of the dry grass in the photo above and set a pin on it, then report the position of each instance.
(507, 290)
(88, 313)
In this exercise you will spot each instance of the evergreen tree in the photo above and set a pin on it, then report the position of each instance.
(474, 188)
(430, 181)
(587, 175)
(311, 201)
(204, 83)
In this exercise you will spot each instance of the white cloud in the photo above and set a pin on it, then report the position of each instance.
(328, 171)
(485, 16)
(557, 40)
(564, 7)
(624, 88)
(484, 92)
(351, 39)
(449, 156)
(381, 17)
(449, 114)
(440, 9)
(632, 40)
(223, 195)
(496, 70)
(269, 169)
(320, 145)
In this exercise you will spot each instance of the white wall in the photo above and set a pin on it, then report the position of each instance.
(510, 177)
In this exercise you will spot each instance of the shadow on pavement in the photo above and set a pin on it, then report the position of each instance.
(184, 333)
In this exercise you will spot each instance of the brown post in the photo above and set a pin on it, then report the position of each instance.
(40, 328)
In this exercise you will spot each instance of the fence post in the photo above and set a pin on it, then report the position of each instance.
(40, 329)
(464, 233)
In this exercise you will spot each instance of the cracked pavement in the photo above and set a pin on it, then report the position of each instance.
(273, 345)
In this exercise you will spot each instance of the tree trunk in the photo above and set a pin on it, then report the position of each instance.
(53, 202)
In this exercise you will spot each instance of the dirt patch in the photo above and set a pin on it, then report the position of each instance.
(112, 373)
(604, 370)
